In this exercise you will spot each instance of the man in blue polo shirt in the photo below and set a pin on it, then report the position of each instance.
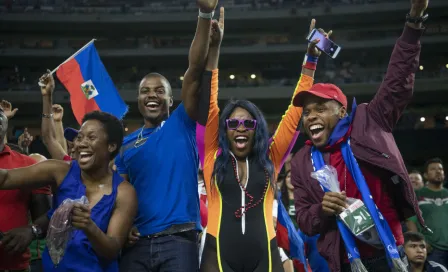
(161, 161)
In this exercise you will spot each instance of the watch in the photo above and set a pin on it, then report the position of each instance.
(416, 20)
(36, 231)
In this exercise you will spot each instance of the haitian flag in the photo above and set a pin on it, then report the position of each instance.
(89, 84)
(288, 238)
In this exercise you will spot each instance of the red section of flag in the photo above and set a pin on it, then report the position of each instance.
(299, 267)
(70, 76)
(282, 236)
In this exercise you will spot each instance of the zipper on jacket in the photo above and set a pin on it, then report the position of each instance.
(374, 150)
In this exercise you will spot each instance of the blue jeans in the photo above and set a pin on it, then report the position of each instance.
(439, 256)
(173, 253)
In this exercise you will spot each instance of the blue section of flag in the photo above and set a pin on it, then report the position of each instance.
(315, 260)
(286, 229)
(108, 98)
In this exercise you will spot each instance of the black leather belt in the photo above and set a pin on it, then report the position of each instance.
(186, 230)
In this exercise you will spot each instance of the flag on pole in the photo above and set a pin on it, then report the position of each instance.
(288, 238)
(89, 84)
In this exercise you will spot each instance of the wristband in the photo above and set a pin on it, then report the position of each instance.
(49, 116)
(206, 15)
(312, 58)
(310, 62)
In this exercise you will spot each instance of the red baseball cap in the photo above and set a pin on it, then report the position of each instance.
(323, 90)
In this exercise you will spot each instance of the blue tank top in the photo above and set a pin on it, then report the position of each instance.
(79, 255)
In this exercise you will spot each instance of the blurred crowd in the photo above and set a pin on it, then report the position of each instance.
(114, 6)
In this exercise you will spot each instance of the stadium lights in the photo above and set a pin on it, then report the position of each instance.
(422, 119)
(446, 66)
(421, 67)
(446, 117)
(181, 78)
(253, 76)
(232, 76)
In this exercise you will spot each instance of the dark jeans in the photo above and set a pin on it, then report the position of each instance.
(173, 253)
(378, 264)
(36, 266)
(439, 256)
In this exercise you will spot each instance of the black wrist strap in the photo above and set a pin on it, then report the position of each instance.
(416, 20)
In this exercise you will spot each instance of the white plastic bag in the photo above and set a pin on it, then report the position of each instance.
(356, 217)
(60, 229)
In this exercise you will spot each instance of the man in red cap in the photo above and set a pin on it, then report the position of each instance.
(367, 133)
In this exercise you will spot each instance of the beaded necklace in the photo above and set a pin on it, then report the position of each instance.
(243, 209)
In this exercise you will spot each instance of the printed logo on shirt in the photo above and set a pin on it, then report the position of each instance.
(435, 201)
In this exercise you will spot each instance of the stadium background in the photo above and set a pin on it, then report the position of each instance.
(260, 60)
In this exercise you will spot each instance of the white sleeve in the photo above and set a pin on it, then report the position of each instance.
(283, 256)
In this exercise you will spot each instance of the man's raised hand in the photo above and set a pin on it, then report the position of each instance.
(418, 7)
(207, 6)
(217, 31)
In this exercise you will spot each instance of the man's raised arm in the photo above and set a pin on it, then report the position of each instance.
(197, 57)
(395, 91)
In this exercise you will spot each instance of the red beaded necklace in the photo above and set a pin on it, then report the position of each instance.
(243, 209)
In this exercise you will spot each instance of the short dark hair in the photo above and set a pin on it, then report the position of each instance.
(414, 171)
(431, 161)
(412, 236)
(112, 125)
(150, 75)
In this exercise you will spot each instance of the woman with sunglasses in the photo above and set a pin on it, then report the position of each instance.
(240, 162)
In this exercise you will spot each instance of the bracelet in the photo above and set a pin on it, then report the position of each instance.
(312, 58)
(206, 15)
(310, 62)
(49, 116)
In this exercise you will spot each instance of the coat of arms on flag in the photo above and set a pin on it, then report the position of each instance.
(89, 89)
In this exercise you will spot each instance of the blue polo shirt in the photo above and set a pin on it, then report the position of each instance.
(164, 172)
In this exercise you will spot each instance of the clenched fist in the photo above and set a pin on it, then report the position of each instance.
(334, 203)
(207, 6)
(58, 112)
(418, 7)
(46, 83)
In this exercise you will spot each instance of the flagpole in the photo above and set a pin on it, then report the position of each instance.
(72, 56)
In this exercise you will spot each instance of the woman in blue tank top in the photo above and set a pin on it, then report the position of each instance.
(101, 228)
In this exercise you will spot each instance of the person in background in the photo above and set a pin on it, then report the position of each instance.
(101, 227)
(70, 135)
(416, 179)
(362, 149)
(25, 140)
(16, 205)
(161, 161)
(433, 202)
(289, 193)
(281, 184)
(415, 250)
(38, 245)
